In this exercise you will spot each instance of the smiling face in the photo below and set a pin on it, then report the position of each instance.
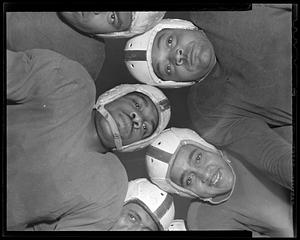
(205, 173)
(181, 55)
(134, 218)
(99, 22)
(136, 117)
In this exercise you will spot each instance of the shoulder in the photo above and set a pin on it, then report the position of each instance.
(208, 106)
(71, 79)
(216, 216)
(106, 177)
(105, 186)
(210, 92)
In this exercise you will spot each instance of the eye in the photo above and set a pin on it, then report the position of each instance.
(113, 17)
(136, 104)
(145, 127)
(169, 41)
(189, 180)
(132, 218)
(168, 69)
(198, 158)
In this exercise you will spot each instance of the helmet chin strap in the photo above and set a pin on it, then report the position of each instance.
(113, 126)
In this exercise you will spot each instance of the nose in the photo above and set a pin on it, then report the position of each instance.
(179, 57)
(202, 174)
(136, 119)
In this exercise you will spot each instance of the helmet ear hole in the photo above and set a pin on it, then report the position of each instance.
(132, 65)
(158, 143)
(151, 159)
(162, 194)
(130, 45)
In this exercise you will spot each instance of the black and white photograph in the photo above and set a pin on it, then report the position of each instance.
(165, 120)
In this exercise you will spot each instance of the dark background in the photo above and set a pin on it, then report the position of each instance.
(113, 73)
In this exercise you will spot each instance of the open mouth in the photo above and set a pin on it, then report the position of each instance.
(215, 179)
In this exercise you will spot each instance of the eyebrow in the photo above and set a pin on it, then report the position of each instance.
(120, 22)
(159, 39)
(147, 104)
(191, 155)
(135, 213)
(186, 171)
(157, 65)
(142, 96)
(182, 177)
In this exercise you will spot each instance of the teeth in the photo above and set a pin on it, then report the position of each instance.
(216, 178)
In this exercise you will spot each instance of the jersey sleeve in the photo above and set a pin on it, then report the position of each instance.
(106, 191)
(222, 217)
(202, 216)
(103, 186)
(253, 141)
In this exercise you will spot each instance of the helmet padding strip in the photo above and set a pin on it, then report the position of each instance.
(135, 55)
(164, 207)
(159, 154)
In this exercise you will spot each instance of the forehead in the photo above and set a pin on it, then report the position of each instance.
(139, 94)
(126, 19)
(184, 154)
(177, 31)
(182, 161)
(136, 95)
(145, 98)
(169, 30)
(146, 219)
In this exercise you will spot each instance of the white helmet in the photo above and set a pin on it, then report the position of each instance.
(161, 153)
(177, 225)
(158, 204)
(138, 54)
(140, 23)
(157, 97)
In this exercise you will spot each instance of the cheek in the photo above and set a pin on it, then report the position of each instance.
(203, 190)
(199, 190)
(149, 114)
(133, 137)
(96, 25)
(120, 224)
(185, 75)
(99, 21)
